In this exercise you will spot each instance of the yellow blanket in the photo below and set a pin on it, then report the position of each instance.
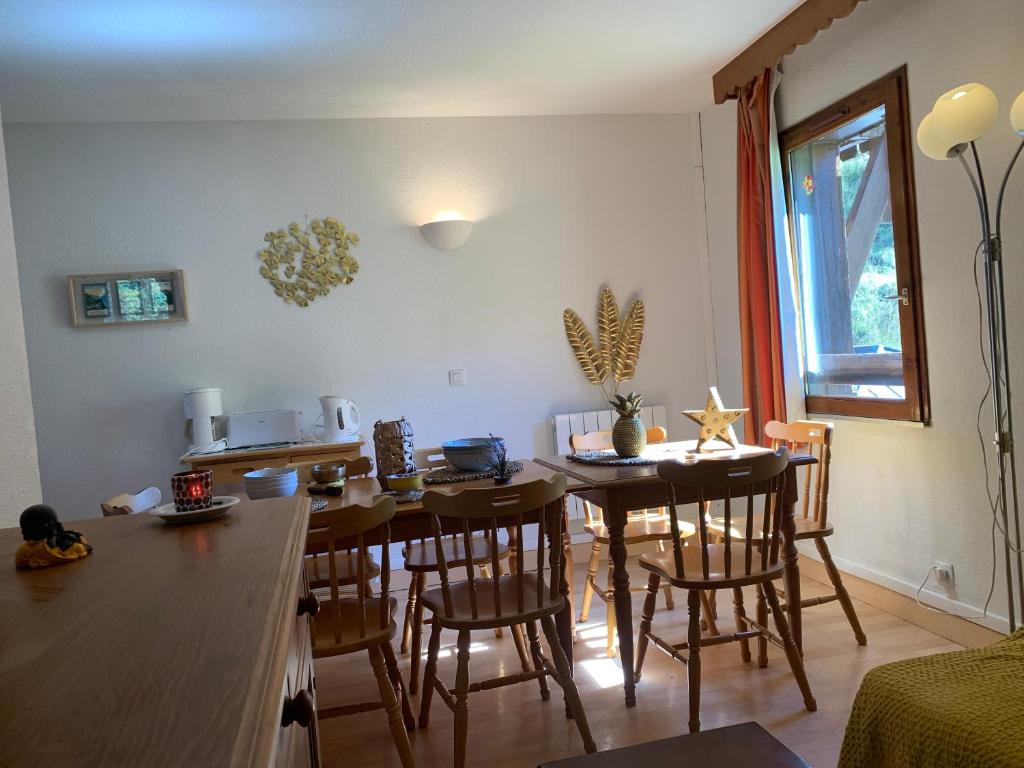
(963, 709)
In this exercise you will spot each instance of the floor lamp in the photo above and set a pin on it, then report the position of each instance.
(960, 117)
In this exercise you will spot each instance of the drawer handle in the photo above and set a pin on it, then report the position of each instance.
(309, 605)
(301, 709)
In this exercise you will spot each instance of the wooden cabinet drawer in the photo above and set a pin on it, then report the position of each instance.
(325, 457)
(298, 745)
(233, 473)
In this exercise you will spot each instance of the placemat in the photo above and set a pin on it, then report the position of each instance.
(408, 497)
(608, 459)
(443, 475)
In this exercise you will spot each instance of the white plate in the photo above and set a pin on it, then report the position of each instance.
(220, 507)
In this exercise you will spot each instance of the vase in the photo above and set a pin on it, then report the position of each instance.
(629, 436)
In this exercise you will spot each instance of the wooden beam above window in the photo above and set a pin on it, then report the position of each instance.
(797, 29)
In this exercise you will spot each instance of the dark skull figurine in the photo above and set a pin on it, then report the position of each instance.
(40, 522)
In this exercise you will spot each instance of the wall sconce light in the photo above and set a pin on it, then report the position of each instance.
(448, 231)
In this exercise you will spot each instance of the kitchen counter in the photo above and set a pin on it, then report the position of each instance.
(167, 646)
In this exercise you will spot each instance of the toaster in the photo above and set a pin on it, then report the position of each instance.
(257, 428)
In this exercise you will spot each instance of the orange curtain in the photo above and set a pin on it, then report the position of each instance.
(760, 331)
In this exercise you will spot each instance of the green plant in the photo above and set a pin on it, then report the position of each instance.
(627, 407)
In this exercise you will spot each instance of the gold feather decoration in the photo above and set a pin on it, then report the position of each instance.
(321, 266)
(635, 320)
(619, 342)
(607, 325)
(582, 344)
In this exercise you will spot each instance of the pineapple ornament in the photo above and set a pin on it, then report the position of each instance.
(629, 435)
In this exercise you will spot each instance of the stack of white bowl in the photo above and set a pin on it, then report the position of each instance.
(270, 482)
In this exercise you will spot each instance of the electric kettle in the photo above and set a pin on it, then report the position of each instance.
(341, 419)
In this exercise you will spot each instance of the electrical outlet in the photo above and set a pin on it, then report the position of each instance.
(943, 573)
(457, 377)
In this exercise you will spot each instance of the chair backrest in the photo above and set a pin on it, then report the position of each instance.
(357, 467)
(814, 438)
(601, 440)
(429, 458)
(490, 509)
(345, 529)
(714, 478)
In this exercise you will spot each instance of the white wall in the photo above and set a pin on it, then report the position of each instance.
(562, 204)
(19, 465)
(904, 497)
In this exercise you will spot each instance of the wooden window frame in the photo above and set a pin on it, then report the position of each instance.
(891, 92)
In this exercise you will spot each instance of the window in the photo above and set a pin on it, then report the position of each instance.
(853, 225)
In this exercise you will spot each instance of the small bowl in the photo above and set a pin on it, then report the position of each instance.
(471, 454)
(405, 483)
(327, 473)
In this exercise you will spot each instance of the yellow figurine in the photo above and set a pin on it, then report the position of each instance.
(47, 542)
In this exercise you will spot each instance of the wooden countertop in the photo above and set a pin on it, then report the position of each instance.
(165, 647)
(245, 454)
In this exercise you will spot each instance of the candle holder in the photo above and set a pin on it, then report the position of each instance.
(192, 490)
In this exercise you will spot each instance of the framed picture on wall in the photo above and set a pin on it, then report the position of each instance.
(125, 298)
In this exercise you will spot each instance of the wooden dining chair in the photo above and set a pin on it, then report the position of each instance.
(365, 622)
(346, 564)
(752, 561)
(420, 558)
(815, 438)
(504, 601)
(643, 526)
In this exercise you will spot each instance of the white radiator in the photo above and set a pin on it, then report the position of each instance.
(566, 424)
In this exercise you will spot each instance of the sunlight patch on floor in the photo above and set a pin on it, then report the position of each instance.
(604, 672)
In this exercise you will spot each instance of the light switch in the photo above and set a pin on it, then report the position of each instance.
(457, 377)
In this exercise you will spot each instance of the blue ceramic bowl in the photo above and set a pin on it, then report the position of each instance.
(471, 454)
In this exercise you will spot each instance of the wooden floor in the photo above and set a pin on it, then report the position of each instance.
(512, 727)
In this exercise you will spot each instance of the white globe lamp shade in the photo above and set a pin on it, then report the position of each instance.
(1017, 114)
(447, 234)
(965, 113)
(933, 145)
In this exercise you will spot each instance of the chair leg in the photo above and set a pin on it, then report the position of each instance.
(796, 661)
(613, 647)
(670, 602)
(535, 651)
(416, 652)
(410, 606)
(693, 600)
(462, 700)
(430, 674)
(650, 603)
(572, 695)
(710, 612)
(841, 593)
(395, 675)
(387, 697)
(588, 586)
(521, 649)
(762, 619)
(485, 573)
(741, 625)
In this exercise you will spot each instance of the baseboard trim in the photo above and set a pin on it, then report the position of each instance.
(883, 592)
(897, 597)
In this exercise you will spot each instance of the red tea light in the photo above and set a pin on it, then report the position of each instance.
(192, 490)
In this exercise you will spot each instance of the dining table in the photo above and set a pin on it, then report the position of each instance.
(621, 489)
(411, 522)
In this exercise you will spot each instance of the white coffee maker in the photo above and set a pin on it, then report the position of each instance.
(202, 406)
(341, 420)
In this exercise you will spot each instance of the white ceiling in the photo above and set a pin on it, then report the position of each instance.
(115, 60)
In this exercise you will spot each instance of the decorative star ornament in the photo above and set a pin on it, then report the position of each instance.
(716, 422)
